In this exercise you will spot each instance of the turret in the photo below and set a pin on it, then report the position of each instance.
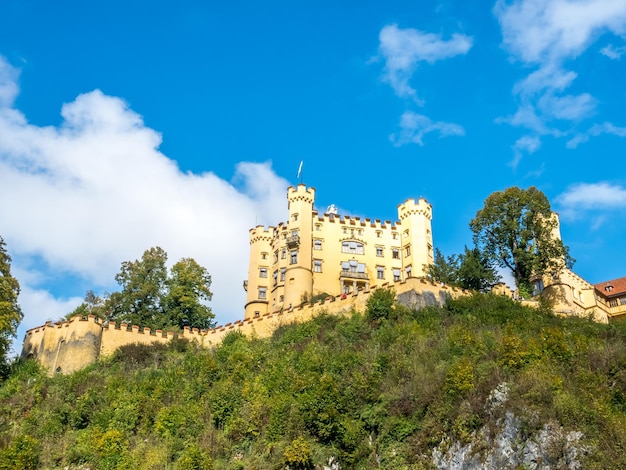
(258, 283)
(417, 238)
(299, 274)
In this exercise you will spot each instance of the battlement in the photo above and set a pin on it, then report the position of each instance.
(301, 193)
(410, 207)
(261, 233)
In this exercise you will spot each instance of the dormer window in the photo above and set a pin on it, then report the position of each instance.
(608, 288)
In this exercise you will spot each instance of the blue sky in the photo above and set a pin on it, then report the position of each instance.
(125, 125)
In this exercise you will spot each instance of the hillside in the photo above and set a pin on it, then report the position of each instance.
(481, 380)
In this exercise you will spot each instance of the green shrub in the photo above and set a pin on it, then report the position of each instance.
(23, 454)
(380, 304)
(298, 455)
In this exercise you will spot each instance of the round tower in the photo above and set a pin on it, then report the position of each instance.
(299, 274)
(257, 285)
(417, 238)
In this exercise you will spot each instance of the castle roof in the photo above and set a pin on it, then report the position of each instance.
(612, 288)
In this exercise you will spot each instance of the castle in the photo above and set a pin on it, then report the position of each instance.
(314, 254)
(315, 263)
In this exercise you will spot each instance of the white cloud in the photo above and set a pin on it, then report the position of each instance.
(544, 34)
(415, 126)
(548, 31)
(614, 53)
(593, 196)
(524, 145)
(82, 197)
(403, 49)
(8, 83)
(595, 131)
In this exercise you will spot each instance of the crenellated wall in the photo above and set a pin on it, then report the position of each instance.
(65, 347)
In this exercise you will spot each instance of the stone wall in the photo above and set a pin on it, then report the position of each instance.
(65, 347)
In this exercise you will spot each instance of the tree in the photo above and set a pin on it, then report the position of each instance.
(150, 297)
(476, 271)
(444, 269)
(143, 289)
(515, 230)
(10, 311)
(188, 287)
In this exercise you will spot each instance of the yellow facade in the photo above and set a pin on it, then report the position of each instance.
(313, 254)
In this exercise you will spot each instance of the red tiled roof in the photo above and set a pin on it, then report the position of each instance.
(619, 287)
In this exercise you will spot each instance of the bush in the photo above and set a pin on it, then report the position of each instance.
(380, 304)
(298, 455)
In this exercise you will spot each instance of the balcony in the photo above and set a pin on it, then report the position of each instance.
(353, 275)
(293, 241)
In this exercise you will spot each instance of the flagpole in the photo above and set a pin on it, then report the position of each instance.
(299, 174)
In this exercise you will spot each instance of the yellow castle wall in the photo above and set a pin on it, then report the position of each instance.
(69, 346)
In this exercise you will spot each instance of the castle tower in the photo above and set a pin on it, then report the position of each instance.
(299, 240)
(257, 285)
(417, 237)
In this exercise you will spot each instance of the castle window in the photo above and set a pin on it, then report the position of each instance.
(282, 274)
(263, 255)
(352, 247)
(379, 234)
(409, 270)
(380, 272)
(407, 250)
(395, 253)
(276, 256)
(317, 266)
(275, 276)
(317, 244)
(394, 235)
(294, 257)
(396, 274)
(379, 251)
(283, 253)
(613, 303)
(318, 227)
(622, 300)
(282, 298)
(262, 292)
(538, 287)
(263, 272)
(406, 234)
(257, 313)
(295, 217)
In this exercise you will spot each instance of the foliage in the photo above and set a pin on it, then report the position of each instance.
(514, 230)
(188, 287)
(298, 455)
(151, 297)
(476, 271)
(10, 311)
(444, 269)
(469, 270)
(376, 392)
(380, 304)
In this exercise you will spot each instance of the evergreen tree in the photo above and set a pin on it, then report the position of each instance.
(476, 271)
(444, 269)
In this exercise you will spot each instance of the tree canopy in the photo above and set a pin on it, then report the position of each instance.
(155, 298)
(516, 230)
(10, 311)
(469, 270)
